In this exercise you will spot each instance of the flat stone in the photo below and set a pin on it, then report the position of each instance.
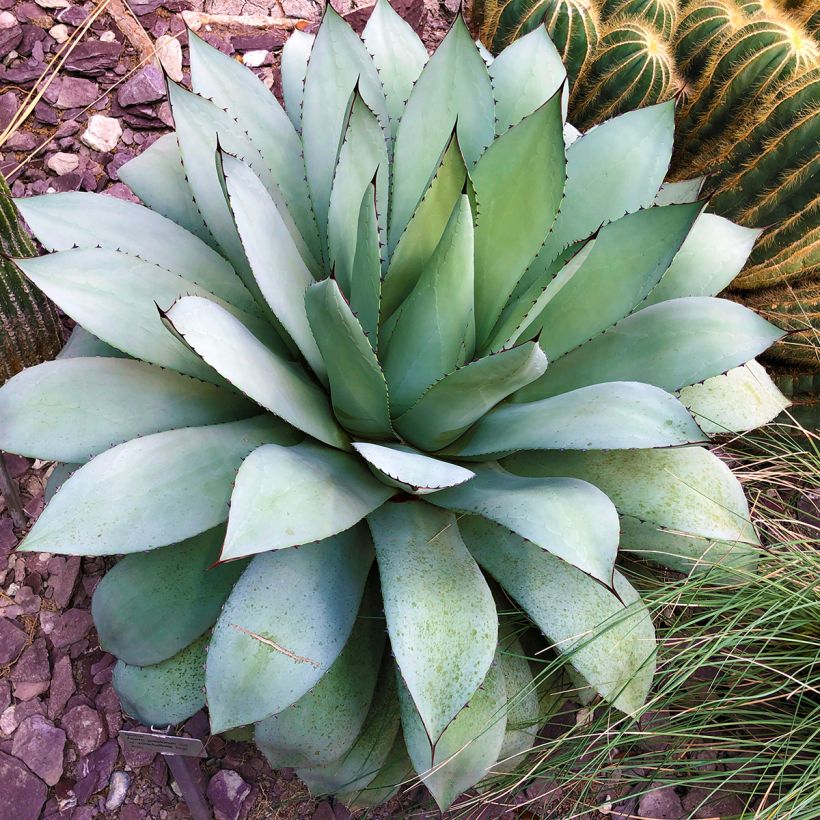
(84, 728)
(265, 41)
(15, 715)
(59, 33)
(324, 811)
(93, 58)
(661, 804)
(32, 13)
(94, 770)
(254, 59)
(31, 674)
(227, 792)
(103, 133)
(8, 540)
(10, 33)
(63, 578)
(52, 4)
(117, 790)
(72, 16)
(145, 86)
(12, 641)
(77, 93)
(62, 686)
(5, 695)
(169, 52)
(66, 628)
(39, 744)
(23, 793)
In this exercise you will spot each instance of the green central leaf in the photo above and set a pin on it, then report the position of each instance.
(287, 496)
(440, 613)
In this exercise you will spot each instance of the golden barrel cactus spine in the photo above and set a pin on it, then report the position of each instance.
(661, 14)
(631, 68)
(701, 31)
(759, 58)
(573, 26)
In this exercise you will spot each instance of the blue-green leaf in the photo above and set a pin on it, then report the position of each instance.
(73, 409)
(571, 519)
(440, 613)
(607, 416)
(283, 626)
(287, 496)
(462, 397)
(151, 605)
(152, 491)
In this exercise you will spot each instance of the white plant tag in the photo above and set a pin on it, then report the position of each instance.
(164, 744)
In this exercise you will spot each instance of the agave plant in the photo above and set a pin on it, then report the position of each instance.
(381, 360)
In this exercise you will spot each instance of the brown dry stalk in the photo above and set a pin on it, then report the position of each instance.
(196, 19)
(276, 646)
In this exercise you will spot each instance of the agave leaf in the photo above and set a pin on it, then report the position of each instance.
(453, 90)
(571, 519)
(338, 63)
(202, 127)
(525, 75)
(523, 711)
(677, 193)
(167, 693)
(440, 613)
(366, 274)
(65, 221)
(398, 54)
(324, 723)
(115, 296)
(151, 605)
(358, 390)
(673, 503)
(423, 233)
(462, 397)
(287, 496)
(283, 626)
(612, 644)
(412, 471)
(710, 257)
(279, 270)
(607, 416)
(59, 475)
(84, 345)
(614, 169)
(735, 402)
(151, 491)
(362, 159)
(516, 207)
(236, 89)
(469, 746)
(624, 262)
(262, 374)
(295, 56)
(73, 409)
(360, 765)
(157, 177)
(433, 332)
(671, 345)
(394, 772)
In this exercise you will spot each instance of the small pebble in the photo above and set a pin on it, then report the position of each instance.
(117, 790)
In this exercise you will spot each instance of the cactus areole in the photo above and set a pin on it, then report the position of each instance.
(363, 370)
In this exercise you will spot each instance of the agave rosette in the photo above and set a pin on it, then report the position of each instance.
(377, 358)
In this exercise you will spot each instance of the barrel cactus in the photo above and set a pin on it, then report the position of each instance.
(632, 67)
(573, 26)
(662, 15)
(385, 359)
(701, 31)
(31, 328)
